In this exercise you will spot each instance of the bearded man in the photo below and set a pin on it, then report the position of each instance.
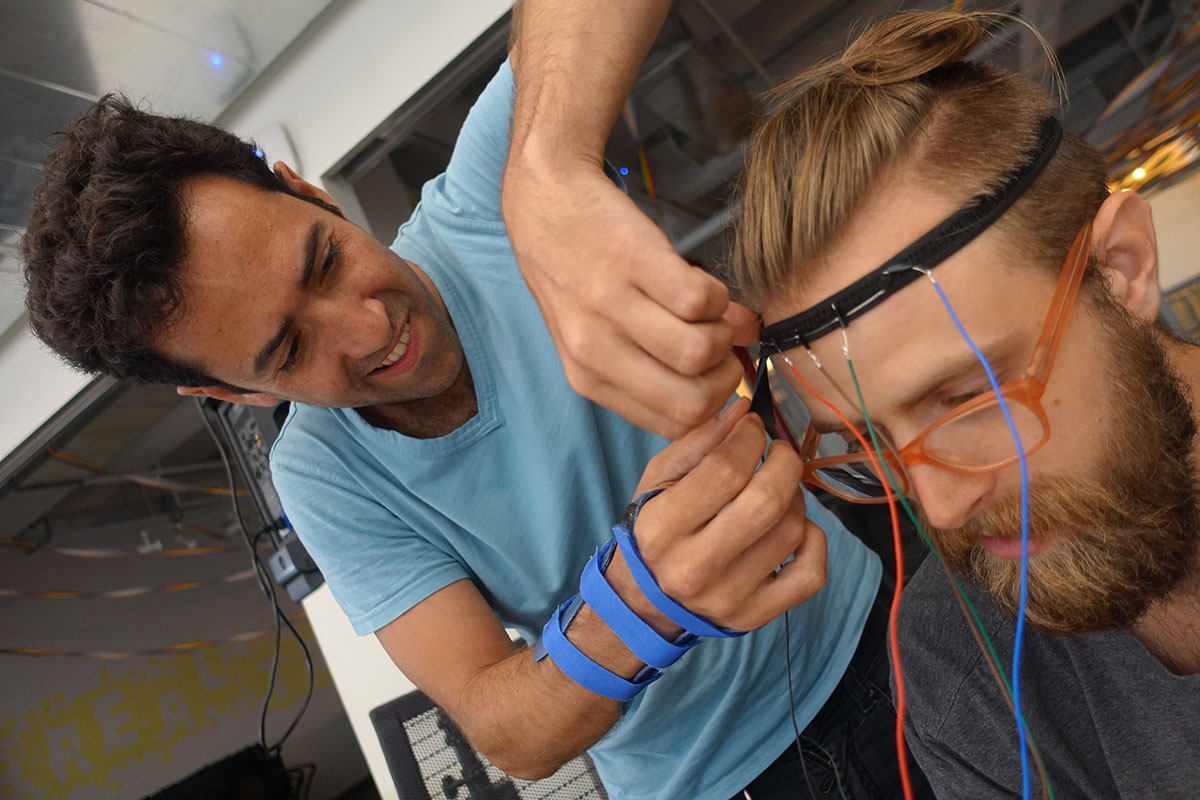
(922, 238)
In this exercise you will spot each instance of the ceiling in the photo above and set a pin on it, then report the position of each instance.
(188, 57)
(694, 103)
(703, 86)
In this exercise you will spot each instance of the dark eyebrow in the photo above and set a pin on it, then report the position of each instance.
(310, 263)
(957, 367)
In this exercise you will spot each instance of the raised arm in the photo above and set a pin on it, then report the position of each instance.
(638, 329)
(713, 540)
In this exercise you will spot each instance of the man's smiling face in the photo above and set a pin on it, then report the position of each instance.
(286, 299)
(1114, 510)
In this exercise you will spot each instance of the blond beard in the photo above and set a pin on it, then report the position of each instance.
(1118, 541)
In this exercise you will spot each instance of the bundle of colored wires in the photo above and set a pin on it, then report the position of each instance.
(148, 481)
(893, 614)
(113, 552)
(1023, 601)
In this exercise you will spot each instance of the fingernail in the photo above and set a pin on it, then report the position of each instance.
(725, 412)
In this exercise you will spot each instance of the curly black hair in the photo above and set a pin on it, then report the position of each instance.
(107, 234)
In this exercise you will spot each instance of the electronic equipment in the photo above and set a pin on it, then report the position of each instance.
(249, 774)
(248, 433)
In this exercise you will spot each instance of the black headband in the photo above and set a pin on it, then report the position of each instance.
(947, 238)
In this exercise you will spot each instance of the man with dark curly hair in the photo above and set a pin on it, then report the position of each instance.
(439, 467)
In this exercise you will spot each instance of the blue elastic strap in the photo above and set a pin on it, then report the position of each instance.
(645, 642)
(692, 623)
(581, 669)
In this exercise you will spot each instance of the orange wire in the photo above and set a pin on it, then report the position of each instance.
(141, 480)
(894, 614)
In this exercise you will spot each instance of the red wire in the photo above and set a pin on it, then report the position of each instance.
(893, 615)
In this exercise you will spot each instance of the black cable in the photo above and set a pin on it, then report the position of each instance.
(263, 582)
(268, 588)
(787, 649)
(262, 723)
(311, 680)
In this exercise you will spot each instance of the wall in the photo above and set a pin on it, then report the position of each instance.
(78, 728)
(1175, 212)
(36, 385)
(369, 56)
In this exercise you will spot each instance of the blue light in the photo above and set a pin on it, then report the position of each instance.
(258, 151)
(216, 59)
(624, 170)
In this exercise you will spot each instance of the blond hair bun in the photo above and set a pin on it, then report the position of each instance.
(909, 45)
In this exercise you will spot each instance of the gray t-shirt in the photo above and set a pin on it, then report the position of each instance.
(1109, 719)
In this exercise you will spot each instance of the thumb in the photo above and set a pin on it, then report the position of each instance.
(685, 453)
(746, 324)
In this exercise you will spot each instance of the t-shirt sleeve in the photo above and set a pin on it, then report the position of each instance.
(376, 565)
(470, 187)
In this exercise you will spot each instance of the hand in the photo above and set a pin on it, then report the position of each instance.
(714, 538)
(639, 330)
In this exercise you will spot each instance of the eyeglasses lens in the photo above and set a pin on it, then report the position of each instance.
(977, 441)
(851, 475)
(982, 438)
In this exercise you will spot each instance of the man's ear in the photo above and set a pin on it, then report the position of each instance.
(301, 186)
(229, 396)
(1123, 240)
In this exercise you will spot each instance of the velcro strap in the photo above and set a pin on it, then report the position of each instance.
(581, 669)
(645, 642)
(691, 623)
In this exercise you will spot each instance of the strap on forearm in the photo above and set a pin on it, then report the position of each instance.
(581, 669)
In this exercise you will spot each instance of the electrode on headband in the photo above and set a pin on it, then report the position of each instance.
(943, 241)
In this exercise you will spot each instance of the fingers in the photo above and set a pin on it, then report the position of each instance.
(691, 504)
(685, 454)
(763, 523)
(687, 347)
(639, 330)
(746, 324)
(688, 293)
(650, 394)
(746, 523)
(797, 580)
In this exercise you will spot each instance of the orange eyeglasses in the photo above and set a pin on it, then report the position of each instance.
(972, 437)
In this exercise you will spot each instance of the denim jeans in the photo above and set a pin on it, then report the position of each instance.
(850, 746)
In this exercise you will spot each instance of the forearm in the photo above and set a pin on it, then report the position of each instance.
(528, 717)
(575, 63)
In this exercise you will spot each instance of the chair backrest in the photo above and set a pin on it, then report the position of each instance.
(430, 759)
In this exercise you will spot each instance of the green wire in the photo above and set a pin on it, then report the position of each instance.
(991, 650)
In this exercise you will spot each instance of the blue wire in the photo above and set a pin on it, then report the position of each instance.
(1020, 636)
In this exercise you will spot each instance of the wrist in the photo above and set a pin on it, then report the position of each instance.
(623, 583)
(611, 650)
(540, 157)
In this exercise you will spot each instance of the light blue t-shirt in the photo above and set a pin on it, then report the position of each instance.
(518, 499)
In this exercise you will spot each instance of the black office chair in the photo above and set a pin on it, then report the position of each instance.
(430, 759)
